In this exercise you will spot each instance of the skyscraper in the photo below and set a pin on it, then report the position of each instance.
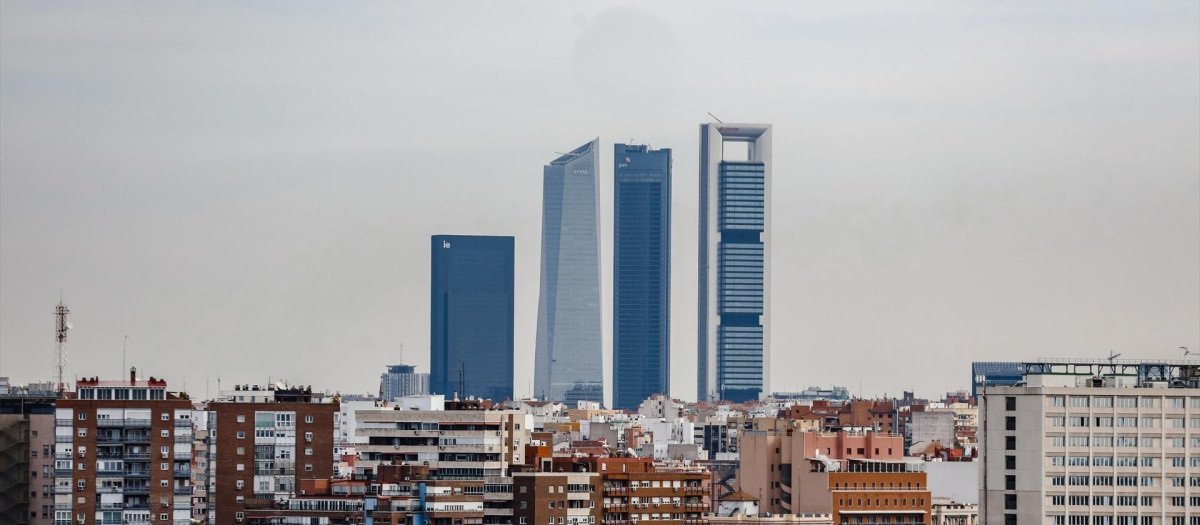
(641, 274)
(568, 363)
(402, 380)
(471, 317)
(734, 270)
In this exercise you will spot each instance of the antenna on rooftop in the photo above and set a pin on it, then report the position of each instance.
(61, 325)
(715, 118)
(462, 378)
(124, 350)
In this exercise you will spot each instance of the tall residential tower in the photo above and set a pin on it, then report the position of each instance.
(568, 362)
(471, 317)
(734, 270)
(641, 274)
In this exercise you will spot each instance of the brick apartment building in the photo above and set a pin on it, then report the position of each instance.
(122, 453)
(265, 440)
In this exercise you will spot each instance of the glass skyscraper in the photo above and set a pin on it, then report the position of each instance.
(471, 317)
(568, 361)
(641, 274)
(734, 261)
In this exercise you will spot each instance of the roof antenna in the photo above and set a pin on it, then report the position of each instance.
(715, 118)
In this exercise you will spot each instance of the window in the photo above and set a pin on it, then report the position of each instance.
(82, 432)
(308, 437)
(165, 416)
(1077, 401)
(241, 484)
(162, 517)
(1010, 442)
(308, 467)
(241, 418)
(241, 451)
(1010, 462)
(1010, 423)
(241, 434)
(1010, 482)
(1057, 401)
(1010, 403)
(165, 433)
(240, 515)
(308, 451)
(241, 466)
(308, 418)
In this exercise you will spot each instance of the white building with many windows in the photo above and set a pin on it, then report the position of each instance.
(1093, 442)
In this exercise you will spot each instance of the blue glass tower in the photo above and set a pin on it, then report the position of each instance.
(641, 274)
(471, 317)
(734, 262)
(568, 360)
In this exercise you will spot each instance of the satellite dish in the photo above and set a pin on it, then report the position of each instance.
(280, 386)
(70, 325)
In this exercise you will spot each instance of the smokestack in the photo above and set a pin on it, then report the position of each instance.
(133, 374)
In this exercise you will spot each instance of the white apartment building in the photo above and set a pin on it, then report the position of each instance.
(456, 444)
(1092, 442)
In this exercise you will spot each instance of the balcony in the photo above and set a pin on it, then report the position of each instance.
(137, 490)
(136, 437)
(616, 490)
(695, 490)
(183, 491)
(62, 489)
(137, 456)
(137, 473)
(137, 505)
(183, 423)
(183, 472)
(110, 473)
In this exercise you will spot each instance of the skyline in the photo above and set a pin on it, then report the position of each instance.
(1037, 196)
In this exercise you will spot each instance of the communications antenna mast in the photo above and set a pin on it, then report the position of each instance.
(61, 327)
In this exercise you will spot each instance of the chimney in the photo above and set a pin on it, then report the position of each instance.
(133, 374)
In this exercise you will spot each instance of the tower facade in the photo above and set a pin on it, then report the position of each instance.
(568, 360)
(641, 274)
(471, 316)
(734, 270)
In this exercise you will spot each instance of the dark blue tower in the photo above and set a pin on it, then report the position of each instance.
(641, 274)
(471, 317)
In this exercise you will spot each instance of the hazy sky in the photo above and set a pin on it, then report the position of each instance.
(248, 189)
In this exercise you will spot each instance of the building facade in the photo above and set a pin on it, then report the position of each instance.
(1087, 441)
(454, 444)
(569, 353)
(262, 446)
(402, 380)
(27, 453)
(641, 274)
(123, 454)
(734, 262)
(568, 498)
(471, 317)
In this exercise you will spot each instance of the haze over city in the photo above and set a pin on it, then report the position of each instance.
(240, 183)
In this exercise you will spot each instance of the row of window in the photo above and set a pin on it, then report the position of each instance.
(1122, 402)
(1110, 461)
(1121, 421)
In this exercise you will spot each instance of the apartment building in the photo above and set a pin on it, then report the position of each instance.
(464, 442)
(556, 498)
(869, 492)
(638, 490)
(263, 440)
(1100, 442)
(27, 453)
(123, 453)
(775, 465)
